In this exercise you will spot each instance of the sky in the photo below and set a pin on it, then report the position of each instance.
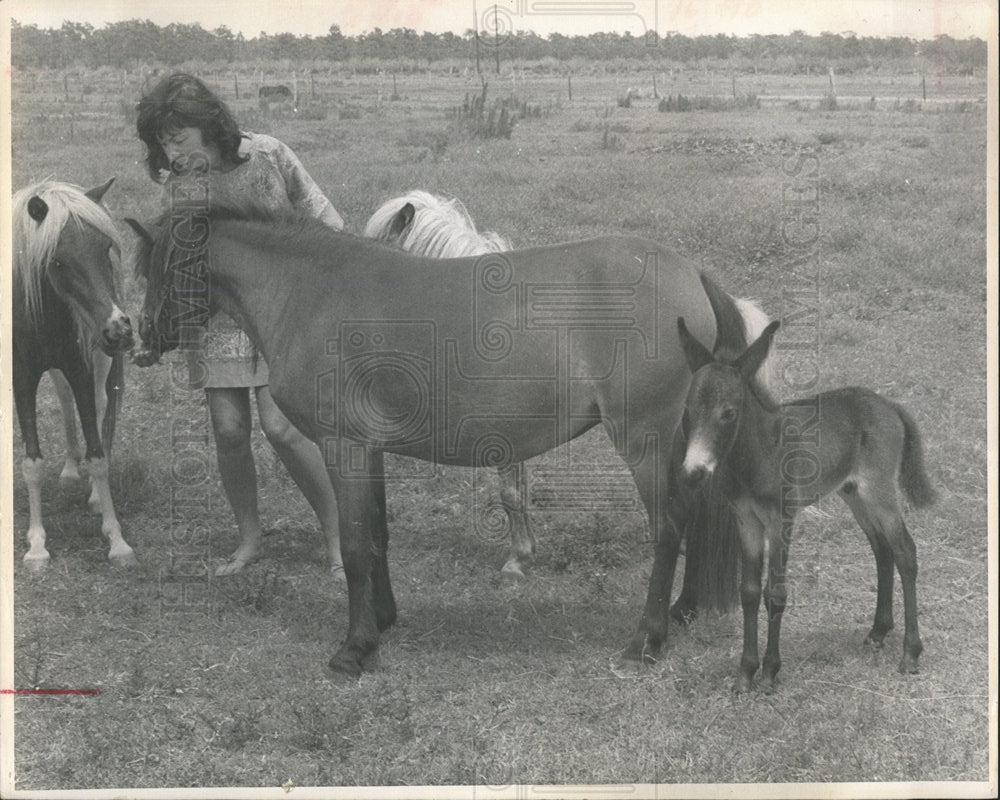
(919, 20)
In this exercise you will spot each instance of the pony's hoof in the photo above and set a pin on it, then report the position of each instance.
(36, 561)
(683, 616)
(643, 648)
(744, 684)
(338, 575)
(768, 685)
(345, 664)
(124, 560)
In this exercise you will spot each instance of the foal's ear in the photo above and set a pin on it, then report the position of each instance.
(695, 352)
(98, 192)
(755, 354)
(138, 227)
(402, 219)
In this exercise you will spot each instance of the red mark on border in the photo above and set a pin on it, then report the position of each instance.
(50, 691)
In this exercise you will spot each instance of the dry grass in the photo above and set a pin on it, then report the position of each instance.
(479, 683)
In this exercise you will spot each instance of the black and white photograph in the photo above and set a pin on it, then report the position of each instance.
(498, 399)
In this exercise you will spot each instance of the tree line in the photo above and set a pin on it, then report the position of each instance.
(132, 43)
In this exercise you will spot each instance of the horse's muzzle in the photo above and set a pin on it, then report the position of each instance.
(117, 334)
(147, 353)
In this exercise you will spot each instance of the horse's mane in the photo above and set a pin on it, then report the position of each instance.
(35, 242)
(441, 227)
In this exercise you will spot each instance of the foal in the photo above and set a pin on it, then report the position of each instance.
(775, 460)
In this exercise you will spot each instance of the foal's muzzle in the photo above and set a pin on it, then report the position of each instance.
(116, 335)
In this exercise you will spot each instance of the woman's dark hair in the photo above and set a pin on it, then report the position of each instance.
(184, 101)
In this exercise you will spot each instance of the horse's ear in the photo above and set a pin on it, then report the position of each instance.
(37, 208)
(755, 354)
(403, 218)
(138, 227)
(695, 352)
(98, 192)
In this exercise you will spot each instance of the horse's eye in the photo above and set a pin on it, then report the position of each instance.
(729, 415)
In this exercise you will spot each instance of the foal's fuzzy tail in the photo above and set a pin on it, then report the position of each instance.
(912, 472)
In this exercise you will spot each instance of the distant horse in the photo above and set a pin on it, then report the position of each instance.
(775, 460)
(272, 93)
(429, 225)
(64, 306)
(426, 224)
(475, 362)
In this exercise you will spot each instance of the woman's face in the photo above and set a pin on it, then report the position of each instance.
(187, 151)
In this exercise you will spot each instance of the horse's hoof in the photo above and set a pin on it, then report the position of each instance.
(768, 685)
(345, 664)
(124, 560)
(743, 684)
(36, 562)
(683, 616)
(338, 575)
(642, 648)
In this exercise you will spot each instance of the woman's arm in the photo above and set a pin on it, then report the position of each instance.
(302, 190)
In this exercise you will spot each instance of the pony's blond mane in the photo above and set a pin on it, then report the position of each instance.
(36, 242)
(441, 228)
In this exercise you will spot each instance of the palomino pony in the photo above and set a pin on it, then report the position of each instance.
(64, 306)
(426, 224)
(475, 362)
(775, 460)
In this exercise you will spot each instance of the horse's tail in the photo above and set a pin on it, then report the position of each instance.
(114, 388)
(711, 528)
(912, 472)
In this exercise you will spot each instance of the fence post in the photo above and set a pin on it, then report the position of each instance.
(569, 86)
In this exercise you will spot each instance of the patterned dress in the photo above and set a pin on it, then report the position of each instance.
(272, 179)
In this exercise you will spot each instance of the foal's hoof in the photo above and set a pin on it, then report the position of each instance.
(512, 571)
(908, 666)
(36, 562)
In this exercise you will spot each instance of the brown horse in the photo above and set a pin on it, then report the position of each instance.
(476, 362)
(774, 460)
(64, 307)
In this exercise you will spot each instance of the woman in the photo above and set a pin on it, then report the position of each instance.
(189, 131)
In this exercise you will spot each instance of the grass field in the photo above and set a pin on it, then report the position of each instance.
(486, 684)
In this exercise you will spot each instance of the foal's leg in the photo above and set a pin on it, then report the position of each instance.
(512, 497)
(775, 596)
(752, 545)
(70, 471)
(879, 511)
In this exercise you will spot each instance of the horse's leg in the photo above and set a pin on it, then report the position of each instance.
(385, 603)
(81, 379)
(651, 481)
(71, 467)
(357, 507)
(512, 497)
(752, 545)
(102, 366)
(775, 596)
(25, 387)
